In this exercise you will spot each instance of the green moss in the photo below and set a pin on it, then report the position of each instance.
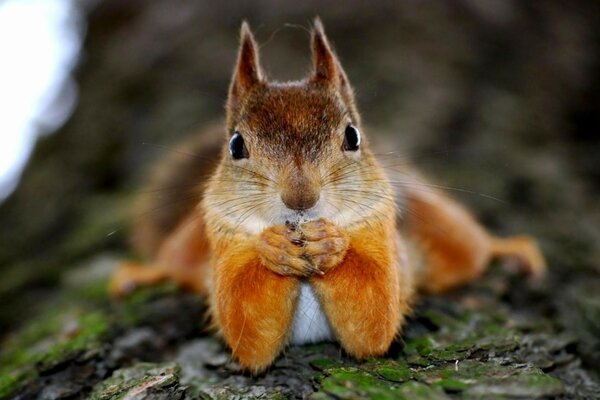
(91, 329)
(96, 291)
(474, 377)
(47, 342)
(420, 391)
(383, 379)
(133, 309)
(422, 346)
(451, 385)
(532, 383)
(429, 348)
(467, 372)
(461, 336)
(322, 364)
(11, 381)
(399, 374)
(351, 383)
(274, 396)
(393, 371)
(215, 389)
(417, 361)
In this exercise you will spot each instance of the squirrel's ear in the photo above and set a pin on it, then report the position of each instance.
(247, 73)
(326, 66)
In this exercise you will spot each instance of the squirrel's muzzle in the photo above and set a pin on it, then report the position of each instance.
(301, 191)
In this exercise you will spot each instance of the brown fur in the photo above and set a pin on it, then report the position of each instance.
(176, 187)
(248, 247)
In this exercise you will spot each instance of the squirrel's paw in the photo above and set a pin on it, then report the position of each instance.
(325, 244)
(525, 251)
(130, 276)
(533, 262)
(281, 249)
(313, 248)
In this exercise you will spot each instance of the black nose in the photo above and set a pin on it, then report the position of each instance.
(300, 199)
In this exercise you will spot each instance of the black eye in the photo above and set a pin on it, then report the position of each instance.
(351, 138)
(237, 148)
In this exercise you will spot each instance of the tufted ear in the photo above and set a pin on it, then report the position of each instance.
(247, 73)
(327, 69)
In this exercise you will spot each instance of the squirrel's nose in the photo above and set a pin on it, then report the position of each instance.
(299, 199)
(301, 190)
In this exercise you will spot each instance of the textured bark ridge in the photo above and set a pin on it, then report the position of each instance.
(499, 101)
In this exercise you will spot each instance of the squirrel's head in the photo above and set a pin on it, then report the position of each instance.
(295, 150)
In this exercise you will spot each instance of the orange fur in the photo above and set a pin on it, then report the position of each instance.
(455, 248)
(298, 207)
(252, 306)
(367, 296)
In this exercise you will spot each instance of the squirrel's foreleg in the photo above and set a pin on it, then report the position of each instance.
(367, 295)
(252, 306)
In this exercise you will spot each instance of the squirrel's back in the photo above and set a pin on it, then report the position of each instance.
(175, 188)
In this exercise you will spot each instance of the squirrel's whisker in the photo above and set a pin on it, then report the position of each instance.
(168, 204)
(254, 173)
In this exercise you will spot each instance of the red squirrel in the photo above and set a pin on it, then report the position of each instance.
(294, 231)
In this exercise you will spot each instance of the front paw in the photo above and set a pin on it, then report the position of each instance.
(325, 244)
(281, 249)
(313, 248)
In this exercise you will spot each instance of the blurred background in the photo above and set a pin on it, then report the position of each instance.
(496, 97)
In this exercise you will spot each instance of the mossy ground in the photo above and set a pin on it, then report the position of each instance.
(471, 345)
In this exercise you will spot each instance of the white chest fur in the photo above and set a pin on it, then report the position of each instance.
(310, 323)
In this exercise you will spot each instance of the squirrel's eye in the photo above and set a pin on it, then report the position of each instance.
(351, 138)
(237, 148)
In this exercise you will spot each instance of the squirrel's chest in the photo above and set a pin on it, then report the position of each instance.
(310, 323)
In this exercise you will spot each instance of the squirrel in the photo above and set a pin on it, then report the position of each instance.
(294, 231)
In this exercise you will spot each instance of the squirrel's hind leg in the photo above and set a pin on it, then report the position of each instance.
(182, 257)
(454, 248)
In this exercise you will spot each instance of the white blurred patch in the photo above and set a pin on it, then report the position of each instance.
(39, 43)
